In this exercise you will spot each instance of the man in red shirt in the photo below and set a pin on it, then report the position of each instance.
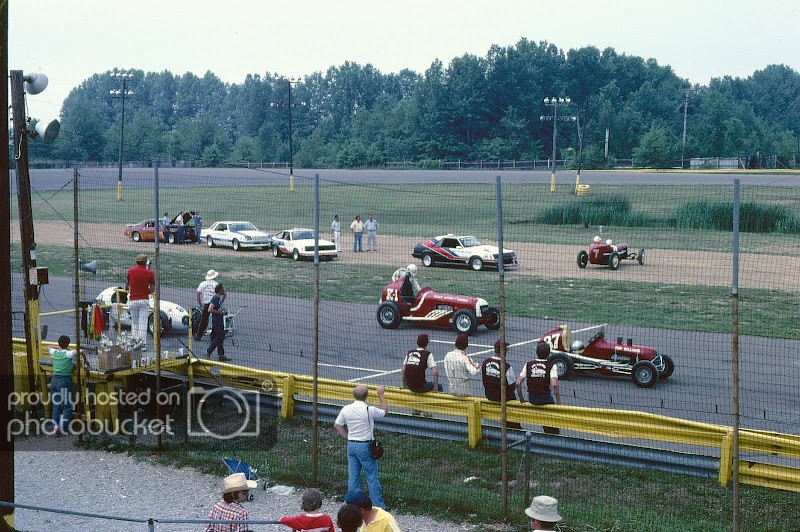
(140, 283)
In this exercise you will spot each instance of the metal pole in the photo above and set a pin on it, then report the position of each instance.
(77, 274)
(503, 383)
(735, 354)
(555, 142)
(157, 304)
(121, 142)
(315, 369)
(291, 151)
(528, 438)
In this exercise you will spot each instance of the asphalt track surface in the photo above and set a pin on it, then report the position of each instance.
(699, 390)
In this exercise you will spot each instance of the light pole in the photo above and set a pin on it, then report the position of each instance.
(555, 103)
(294, 80)
(123, 95)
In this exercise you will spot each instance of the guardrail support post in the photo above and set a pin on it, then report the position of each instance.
(287, 401)
(726, 459)
(474, 423)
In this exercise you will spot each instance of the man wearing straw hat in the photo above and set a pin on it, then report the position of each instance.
(236, 489)
(205, 291)
(543, 512)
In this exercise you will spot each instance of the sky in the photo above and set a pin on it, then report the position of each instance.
(71, 40)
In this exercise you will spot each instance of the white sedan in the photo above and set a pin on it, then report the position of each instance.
(174, 317)
(299, 243)
(237, 235)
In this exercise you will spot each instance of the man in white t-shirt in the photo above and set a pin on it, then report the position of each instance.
(205, 291)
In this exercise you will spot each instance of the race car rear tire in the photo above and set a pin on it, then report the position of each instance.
(644, 374)
(465, 321)
(389, 315)
(276, 252)
(613, 260)
(583, 258)
(493, 325)
(564, 365)
(669, 367)
(296, 255)
(640, 258)
(427, 260)
(476, 263)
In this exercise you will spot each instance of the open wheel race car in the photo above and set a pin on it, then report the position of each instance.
(173, 317)
(645, 365)
(608, 254)
(462, 313)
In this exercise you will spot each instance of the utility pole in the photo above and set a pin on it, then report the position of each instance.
(686, 99)
(123, 95)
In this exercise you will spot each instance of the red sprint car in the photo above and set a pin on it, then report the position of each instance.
(462, 313)
(608, 254)
(645, 365)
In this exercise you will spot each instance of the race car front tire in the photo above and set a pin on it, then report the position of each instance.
(583, 259)
(476, 263)
(641, 257)
(427, 260)
(465, 321)
(644, 374)
(613, 260)
(564, 365)
(669, 367)
(495, 312)
(389, 315)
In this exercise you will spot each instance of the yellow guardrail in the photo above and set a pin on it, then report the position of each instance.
(616, 424)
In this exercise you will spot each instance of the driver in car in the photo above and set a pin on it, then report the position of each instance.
(410, 283)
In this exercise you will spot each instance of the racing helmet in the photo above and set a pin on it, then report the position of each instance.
(412, 269)
(576, 346)
(608, 242)
(596, 239)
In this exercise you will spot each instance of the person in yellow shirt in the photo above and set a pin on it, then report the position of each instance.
(375, 519)
(357, 227)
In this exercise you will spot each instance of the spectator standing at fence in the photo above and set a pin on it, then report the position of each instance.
(217, 324)
(491, 378)
(204, 293)
(312, 520)
(198, 225)
(140, 282)
(336, 229)
(543, 512)
(349, 518)
(371, 227)
(540, 376)
(357, 227)
(61, 391)
(359, 418)
(236, 490)
(375, 519)
(460, 368)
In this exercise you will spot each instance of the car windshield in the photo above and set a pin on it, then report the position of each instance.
(245, 226)
(469, 241)
(303, 235)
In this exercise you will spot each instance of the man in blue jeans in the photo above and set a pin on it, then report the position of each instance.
(61, 392)
(359, 418)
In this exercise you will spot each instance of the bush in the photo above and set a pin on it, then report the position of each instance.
(753, 217)
(596, 210)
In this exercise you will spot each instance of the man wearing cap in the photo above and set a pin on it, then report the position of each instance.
(375, 519)
(205, 291)
(539, 376)
(236, 490)
(490, 375)
(460, 368)
(359, 418)
(543, 512)
(140, 282)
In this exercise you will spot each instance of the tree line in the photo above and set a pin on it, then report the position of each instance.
(474, 108)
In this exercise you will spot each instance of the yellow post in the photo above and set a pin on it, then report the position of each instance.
(726, 459)
(287, 401)
(119, 190)
(553, 182)
(474, 424)
(577, 182)
(291, 182)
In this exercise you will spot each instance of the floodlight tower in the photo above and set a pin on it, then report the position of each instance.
(123, 95)
(555, 103)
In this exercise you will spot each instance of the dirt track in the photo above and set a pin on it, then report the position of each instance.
(543, 260)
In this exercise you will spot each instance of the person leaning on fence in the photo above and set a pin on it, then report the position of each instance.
(543, 512)
(540, 376)
(312, 520)
(460, 368)
(236, 489)
(349, 518)
(359, 418)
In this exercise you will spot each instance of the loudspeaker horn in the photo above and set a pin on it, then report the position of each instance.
(90, 267)
(48, 132)
(35, 83)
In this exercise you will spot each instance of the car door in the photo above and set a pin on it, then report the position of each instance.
(222, 236)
